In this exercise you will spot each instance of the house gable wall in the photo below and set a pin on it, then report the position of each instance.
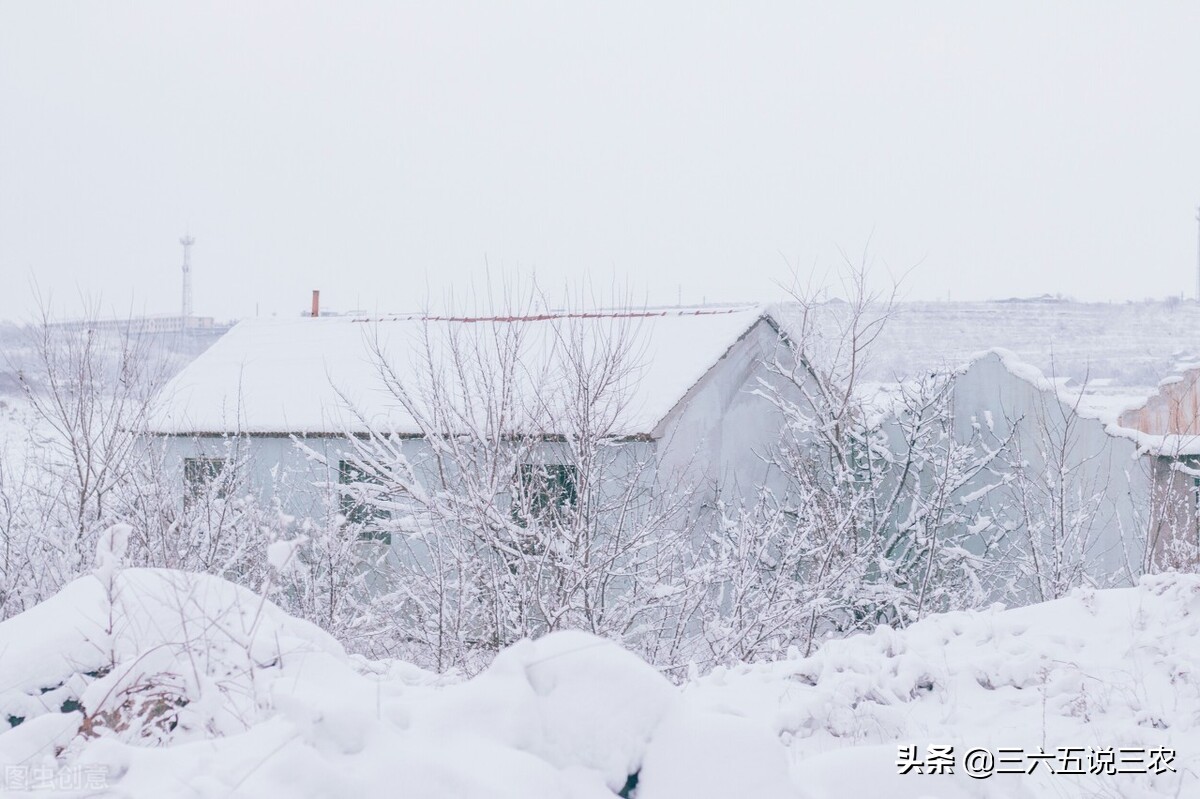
(720, 432)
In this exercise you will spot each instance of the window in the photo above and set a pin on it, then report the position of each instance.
(199, 474)
(544, 491)
(1196, 506)
(353, 502)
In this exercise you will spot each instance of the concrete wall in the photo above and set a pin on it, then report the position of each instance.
(1046, 430)
(717, 436)
(280, 468)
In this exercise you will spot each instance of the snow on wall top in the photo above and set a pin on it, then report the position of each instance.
(320, 376)
(1095, 399)
(1108, 357)
(1101, 403)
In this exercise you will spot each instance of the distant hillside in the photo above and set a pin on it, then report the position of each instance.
(1125, 344)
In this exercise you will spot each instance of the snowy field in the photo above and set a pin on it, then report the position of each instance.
(141, 683)
(20, 429)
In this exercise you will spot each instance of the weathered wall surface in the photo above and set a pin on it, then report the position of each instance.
(1174, 409)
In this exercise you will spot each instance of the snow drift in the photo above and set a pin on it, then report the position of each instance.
(153, 683)
(166, 683)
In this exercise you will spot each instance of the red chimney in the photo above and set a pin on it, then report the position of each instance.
(316, 311)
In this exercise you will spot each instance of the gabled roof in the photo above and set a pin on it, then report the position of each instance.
(322, 377)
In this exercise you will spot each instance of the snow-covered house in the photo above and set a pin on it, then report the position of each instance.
(287, 396)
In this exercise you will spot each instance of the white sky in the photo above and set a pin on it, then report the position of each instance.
(373, 150)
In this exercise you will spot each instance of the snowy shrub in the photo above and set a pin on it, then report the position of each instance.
(866, 518)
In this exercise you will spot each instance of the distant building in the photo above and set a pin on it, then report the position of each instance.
(138, 325)
(183, 323)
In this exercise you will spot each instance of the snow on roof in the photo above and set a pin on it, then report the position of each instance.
(1104, 403)
(304, 375)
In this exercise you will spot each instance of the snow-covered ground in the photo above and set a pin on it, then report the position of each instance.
(1100, 670)
(151, 683)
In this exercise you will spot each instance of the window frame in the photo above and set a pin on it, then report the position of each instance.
(353, 509)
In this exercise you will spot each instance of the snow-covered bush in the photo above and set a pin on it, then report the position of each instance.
(867, 518)
(154, 679)
(84, 463)
(153, 682)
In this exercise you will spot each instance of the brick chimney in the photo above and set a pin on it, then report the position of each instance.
(316, 309)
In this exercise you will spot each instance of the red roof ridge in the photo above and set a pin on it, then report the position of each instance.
(547, 316)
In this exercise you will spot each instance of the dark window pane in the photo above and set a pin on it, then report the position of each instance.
(353, 504)
(544, 491)
(199, 474)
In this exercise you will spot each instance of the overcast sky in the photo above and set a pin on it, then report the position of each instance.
(378, 151)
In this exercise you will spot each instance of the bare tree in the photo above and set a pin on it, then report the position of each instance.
(1167, 530)
(871, 515)
(514, 500)
(90, 386)
(1057, 504)
(25, 576)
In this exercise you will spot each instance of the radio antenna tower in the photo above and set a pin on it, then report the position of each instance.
(187, 241)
